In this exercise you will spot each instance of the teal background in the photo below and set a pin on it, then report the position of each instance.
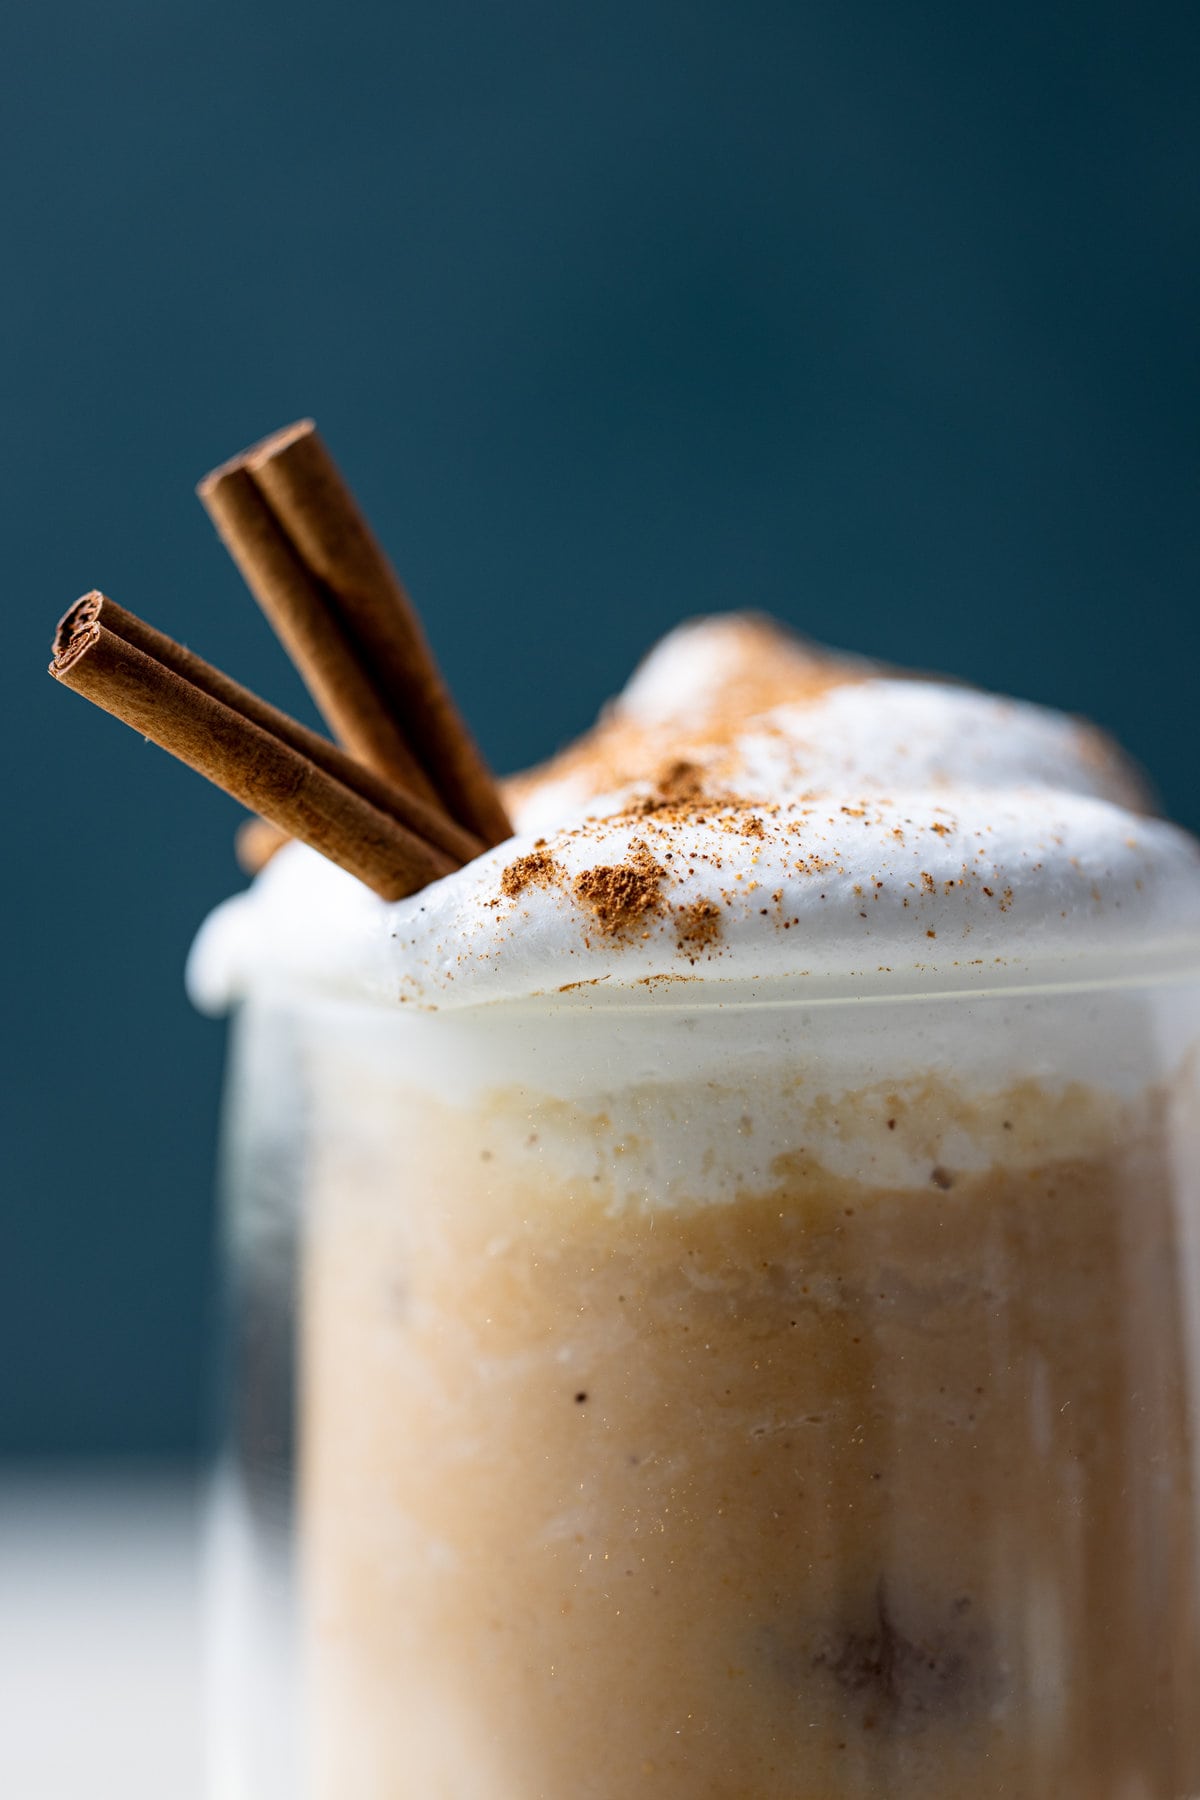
(880, 317)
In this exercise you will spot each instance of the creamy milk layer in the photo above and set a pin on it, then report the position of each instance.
(694, 1440)
(752, 809)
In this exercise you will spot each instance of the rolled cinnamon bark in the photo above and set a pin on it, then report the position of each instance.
(305, 618)
(316, 569)
(246, 747)
(428, 822)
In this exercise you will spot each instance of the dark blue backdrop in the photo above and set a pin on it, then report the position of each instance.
(881, 317)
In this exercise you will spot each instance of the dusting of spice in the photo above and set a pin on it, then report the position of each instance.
(538, 869)
(697, 927)
(760, 665)
(680, 780)
(622, 896)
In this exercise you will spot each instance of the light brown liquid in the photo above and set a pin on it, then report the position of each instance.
(838, 1490)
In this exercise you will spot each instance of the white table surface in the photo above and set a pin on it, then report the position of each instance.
(99, 1640)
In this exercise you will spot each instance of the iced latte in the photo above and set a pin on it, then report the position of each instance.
(739, 1242)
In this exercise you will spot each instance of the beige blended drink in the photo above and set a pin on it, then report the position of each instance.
(740, 1240)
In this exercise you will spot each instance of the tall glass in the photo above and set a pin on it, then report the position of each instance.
(705, 1393)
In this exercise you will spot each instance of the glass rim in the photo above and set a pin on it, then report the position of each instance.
(1158, 966)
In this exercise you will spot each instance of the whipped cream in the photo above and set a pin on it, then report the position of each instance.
(754, 810)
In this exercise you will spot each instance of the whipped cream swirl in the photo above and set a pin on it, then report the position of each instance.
(752, 810)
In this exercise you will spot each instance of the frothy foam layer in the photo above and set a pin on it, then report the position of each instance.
(751, 809)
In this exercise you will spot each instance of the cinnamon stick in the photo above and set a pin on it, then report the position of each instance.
(254, 752)
(309, 556)
(305, 617)
(429, 822)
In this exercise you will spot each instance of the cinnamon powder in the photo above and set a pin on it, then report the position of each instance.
(697, 926)
(621, 896)
(538, 869)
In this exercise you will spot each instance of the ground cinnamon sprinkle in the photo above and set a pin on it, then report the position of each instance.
(622, 895)
(698, 926)
(680, 781)
(693, 809)
(538, 869)
(761, 666)
(678, 792)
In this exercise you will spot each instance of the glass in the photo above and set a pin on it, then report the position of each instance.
(707, 1399)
